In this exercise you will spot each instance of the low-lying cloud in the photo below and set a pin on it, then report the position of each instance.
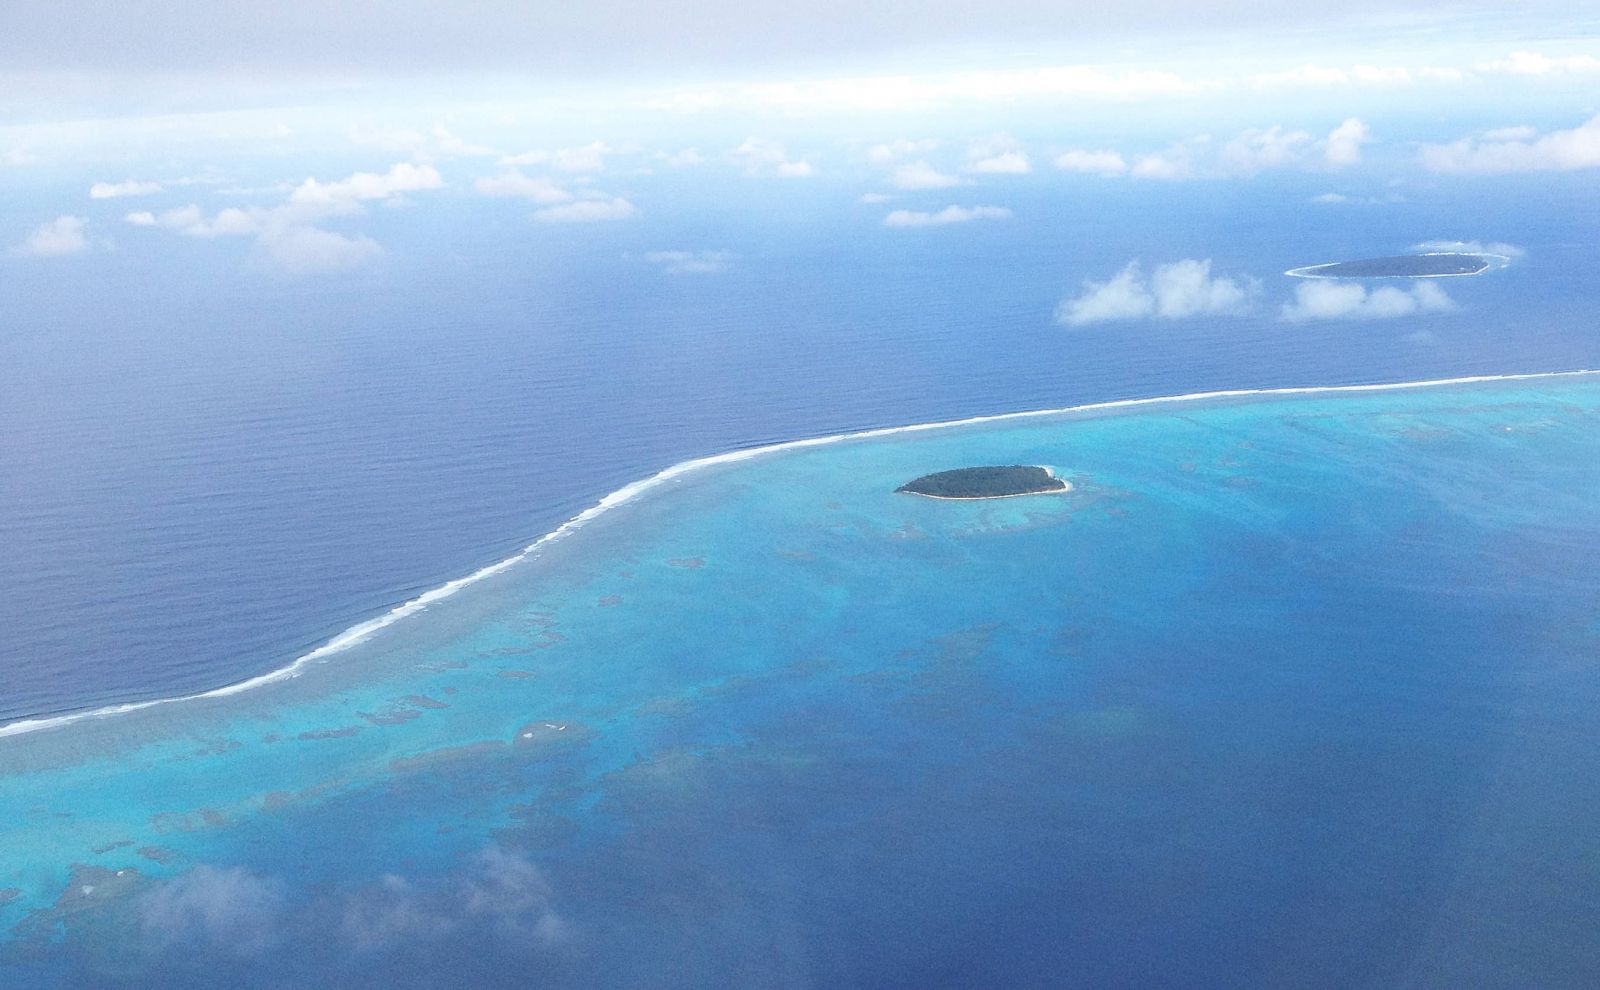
(1330, 299)
(117, 190)
(226, 908)
(60, 237)
(290, 236)
(690, 262)
(948, 215)
(587, 211)
(1175, 291)
(920, 175)
(1519, 149)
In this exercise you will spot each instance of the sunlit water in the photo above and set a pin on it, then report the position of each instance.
(1288, 690)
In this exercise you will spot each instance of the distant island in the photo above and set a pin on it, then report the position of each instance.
(1442, 265)
(986, 482)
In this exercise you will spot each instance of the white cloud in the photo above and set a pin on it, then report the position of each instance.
(920, 92)
(1332, 299)
(1392, 74)
(1536, 64)
(364, 186)
(1521, 132)
(872, 198)
(115, 190)
(439, 142)
(948, 215)
(1254, 150)
(304, 250)
(1000, 154)
(1171, 164)
(587, 211)
(510, 182)
(588, 158)
(892, 151)
(1094, 162)
(61, 236)
(1175, 291)
(920, 175)
(761, 157)
(1005, 163)
(1309, 74)
(690, 262)
(288, 235)
(1471, 247)
(682, 158)
(1519, 151)
(1343, 146)
(227, 908)
(1328, 198)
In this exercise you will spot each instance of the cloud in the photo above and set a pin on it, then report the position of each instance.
(587, 158)
(1309, 74)
(1519, 150)
(365, 186)
(438, 143)
(762, 157)
(998, 155)
(587, 211)
(288, 235)
(1343, 146)
(502, 890)
(1390, 74)
(948, 215)
(304, 250)
(925, 91)
(227, 908)
(1471, 247)
(690, 262)
(1176, 291)
(1172, 164)
(920, 175)
(1094, 162)
(1328, 198)
(873, 198)
(510, 182)
(892, 151)
(1254, 150)
(1536, 64)
(1332, 299)
(1005, 163)
(680, 159)
(61, 236)
(115, 190)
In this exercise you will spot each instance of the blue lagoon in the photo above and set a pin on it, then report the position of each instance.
(1292, 688)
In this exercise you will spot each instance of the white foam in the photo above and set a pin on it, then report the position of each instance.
(361, 631)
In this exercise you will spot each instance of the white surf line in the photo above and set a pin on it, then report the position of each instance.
(361, 631)
(1500, 260)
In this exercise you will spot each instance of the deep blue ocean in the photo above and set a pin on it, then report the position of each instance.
(1289, 690)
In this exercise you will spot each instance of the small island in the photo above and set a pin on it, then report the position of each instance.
(1003, 481)
(1439, 265)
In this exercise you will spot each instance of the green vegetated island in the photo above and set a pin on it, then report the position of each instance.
(986, 482)
(1402, 266)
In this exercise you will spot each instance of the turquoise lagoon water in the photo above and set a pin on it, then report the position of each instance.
(1291, 689)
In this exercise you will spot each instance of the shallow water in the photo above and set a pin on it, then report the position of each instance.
(1286, 690)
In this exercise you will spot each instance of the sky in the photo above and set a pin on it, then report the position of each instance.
(280, 126)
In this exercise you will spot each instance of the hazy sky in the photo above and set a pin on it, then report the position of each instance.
(283, 126)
